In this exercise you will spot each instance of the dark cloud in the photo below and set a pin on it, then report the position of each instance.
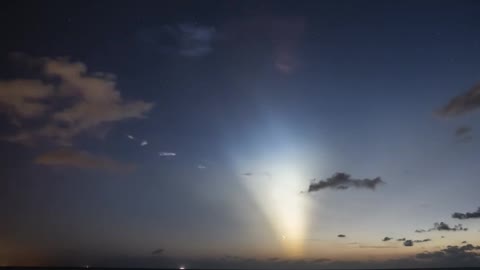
(67, 157)
(342, 181)
(462, 104)
(89, 101)
(442, 226)
(422, 241)
(186, 39)
(401, 239)
(341, 235)
(462, 131)
(464, 242)
(408, 243)
(467, 215)
(453, 255)
(386, 238)
(157, 252)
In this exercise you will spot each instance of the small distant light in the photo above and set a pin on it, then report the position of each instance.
(182, 267)
(87, 266)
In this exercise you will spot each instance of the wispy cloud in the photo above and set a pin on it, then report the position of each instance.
(342, 181)
(157, 252)
(467, 215)
(201, 167)
(67, 157)
(89, 101)
(167, 154)
(463, 103)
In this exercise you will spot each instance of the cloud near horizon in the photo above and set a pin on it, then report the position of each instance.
(343, 181)
(67, 157)
(65, 102)
(442, 226)
(467, 215)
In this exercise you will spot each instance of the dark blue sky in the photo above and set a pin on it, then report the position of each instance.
(194, 126)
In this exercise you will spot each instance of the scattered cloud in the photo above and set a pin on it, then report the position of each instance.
(201, 167)
(341, 181)
(167, 154)
(157, 252)
(401, 239)
(260, 174)
(442, 226)
(67, 157)
(462, 104)
(143, 143)
(467, 215)
(422, 241)
(408, 243)
(66, 101)
(462, 131)
(341, 235)
(130, 137)
(464, 242)
(386, 238)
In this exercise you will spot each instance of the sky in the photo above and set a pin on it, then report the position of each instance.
(240, 134)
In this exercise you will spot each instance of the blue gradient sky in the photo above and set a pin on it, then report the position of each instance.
(288, 92)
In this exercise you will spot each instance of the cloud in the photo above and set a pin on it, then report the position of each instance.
(341, 181)
(341, 235)
(167, 154)
(386, 238)
(157, 252)
(201, 167)
(259, 174)
(186, 39)
(462, 104)
(408, 243)
(66, 101)
(462, 131)
(467, 215)
(422, 241)
(401, 239)
(442, 226)
(67, 157)
(143, 143)
(453, 255)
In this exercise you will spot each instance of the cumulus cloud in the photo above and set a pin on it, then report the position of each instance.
(442, 226)
(342, 181)
(341, 235)
(167, 154)
(408, 243)
(462, 104)
(67, 157)
(65, 102)
(386, 238)
(467, 215)
(157, 252)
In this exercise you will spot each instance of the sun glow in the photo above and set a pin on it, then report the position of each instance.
(286, 209)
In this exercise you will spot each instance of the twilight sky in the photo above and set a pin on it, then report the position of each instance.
(240, 134)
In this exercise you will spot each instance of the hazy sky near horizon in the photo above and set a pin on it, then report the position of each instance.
(315, 134)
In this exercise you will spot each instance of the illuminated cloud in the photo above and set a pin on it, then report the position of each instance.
(467, 215)
(342, 181)
(67, 157)
(130, 137)
(167, 154)
(66, 101)
(462, 104)
(143, 143)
